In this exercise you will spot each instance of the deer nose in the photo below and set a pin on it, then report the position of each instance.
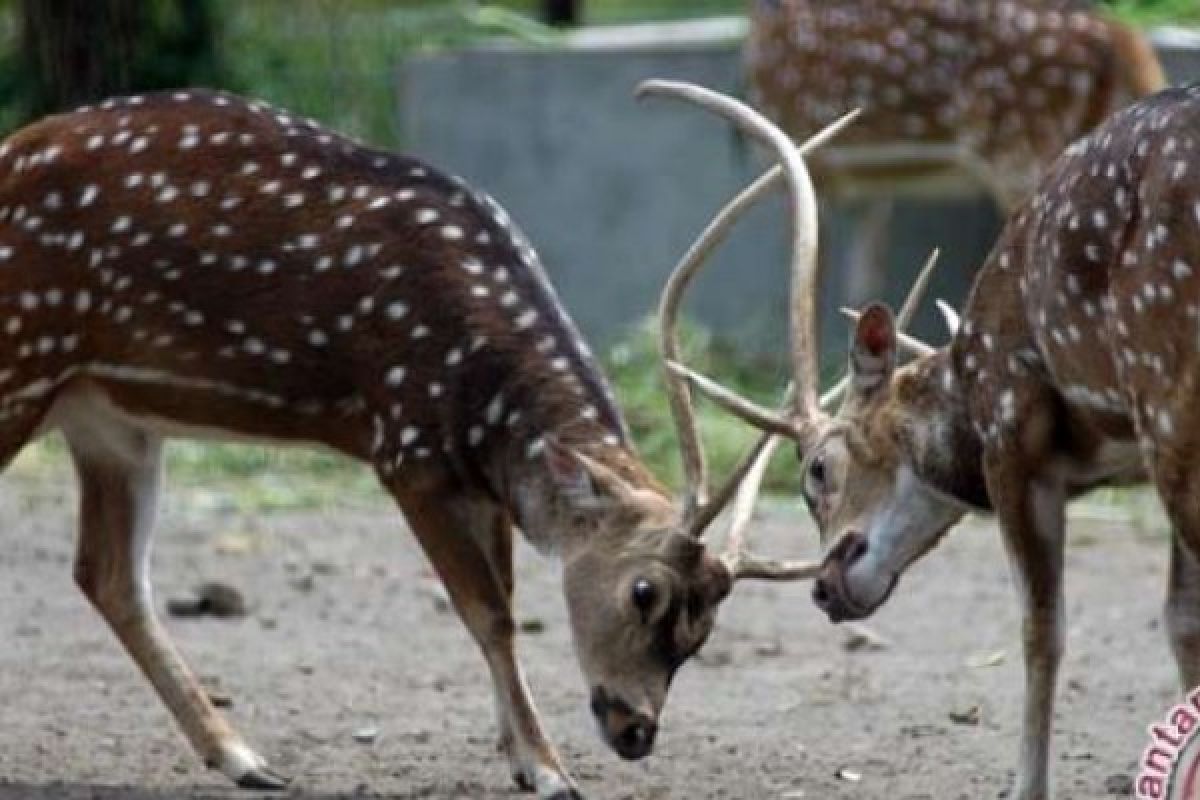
(636, 740)
(829, 600)
(828, 590)
(821, 594)
(630, 733)
(848, 550)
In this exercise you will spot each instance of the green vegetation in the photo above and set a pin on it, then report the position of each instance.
(335, 60)
(228, 477)
(1156, 12)
(633, 367)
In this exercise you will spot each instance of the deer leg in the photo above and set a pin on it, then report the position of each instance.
(1183, 612)
(1005, 191)
(1176, 481)
(470, 547)
(119, 469)
(1031, 517)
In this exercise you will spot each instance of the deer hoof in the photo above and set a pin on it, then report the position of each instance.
(245, 767)
(523, 780)
(566, 794)
(262, 778)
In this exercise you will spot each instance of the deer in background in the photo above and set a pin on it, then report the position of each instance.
(956, 94)
(1076, 365)
(195, 264)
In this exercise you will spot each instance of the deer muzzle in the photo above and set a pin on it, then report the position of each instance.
(830, 592)
(628, 732)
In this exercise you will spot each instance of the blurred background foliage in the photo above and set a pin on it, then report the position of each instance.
(330, 59)
(335, 60)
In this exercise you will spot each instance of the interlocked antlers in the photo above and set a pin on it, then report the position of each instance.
(803, 407)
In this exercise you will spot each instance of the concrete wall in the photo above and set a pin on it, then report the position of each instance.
(612, 191)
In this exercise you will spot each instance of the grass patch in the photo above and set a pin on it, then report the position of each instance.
(221, 477)
(1156, 12)
(633, 366)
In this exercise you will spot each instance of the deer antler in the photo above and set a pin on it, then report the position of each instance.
(777, 422)
(699, 510)
(742, 563)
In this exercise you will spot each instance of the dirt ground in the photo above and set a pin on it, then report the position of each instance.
(348, 631)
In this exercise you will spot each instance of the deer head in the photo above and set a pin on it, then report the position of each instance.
(642, 585)
(875, 471)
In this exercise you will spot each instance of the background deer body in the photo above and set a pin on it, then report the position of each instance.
(991, 89)
(956, 96)
(196, 264)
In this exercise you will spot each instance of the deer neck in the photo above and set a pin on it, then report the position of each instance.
(560, 518)
(564, 406)
(937, 434)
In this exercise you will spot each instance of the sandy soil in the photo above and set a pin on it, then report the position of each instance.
(348, 631)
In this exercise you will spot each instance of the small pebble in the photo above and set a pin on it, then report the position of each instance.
(860, 638)
(1119, 784)
(366, 735)
(771, 649)
(969, 716)
(210, 599)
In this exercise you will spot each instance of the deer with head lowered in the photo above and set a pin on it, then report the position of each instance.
(195, 264)
(1076, 365)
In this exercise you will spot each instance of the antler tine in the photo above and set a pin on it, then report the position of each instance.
(834, 393)
(762, 418)
(678, 392)
(708, 512)
(740, 562)
(748, 565)
(908, 310)
(747, 496)
(916, 292)
(949, 315)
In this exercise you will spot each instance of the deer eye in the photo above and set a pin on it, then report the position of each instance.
(644, 597)
(816, 472)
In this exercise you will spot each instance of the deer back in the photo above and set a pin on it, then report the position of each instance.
(1092, 288)
(225, 265)
(1009, 83)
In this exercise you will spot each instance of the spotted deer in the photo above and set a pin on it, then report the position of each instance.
(955, 94)
(1076, 365)
(195, 264)
(994, 89)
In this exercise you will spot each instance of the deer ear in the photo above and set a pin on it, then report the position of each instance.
(873, 349)
(640, 503)
(569, 473)
(590, 485)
